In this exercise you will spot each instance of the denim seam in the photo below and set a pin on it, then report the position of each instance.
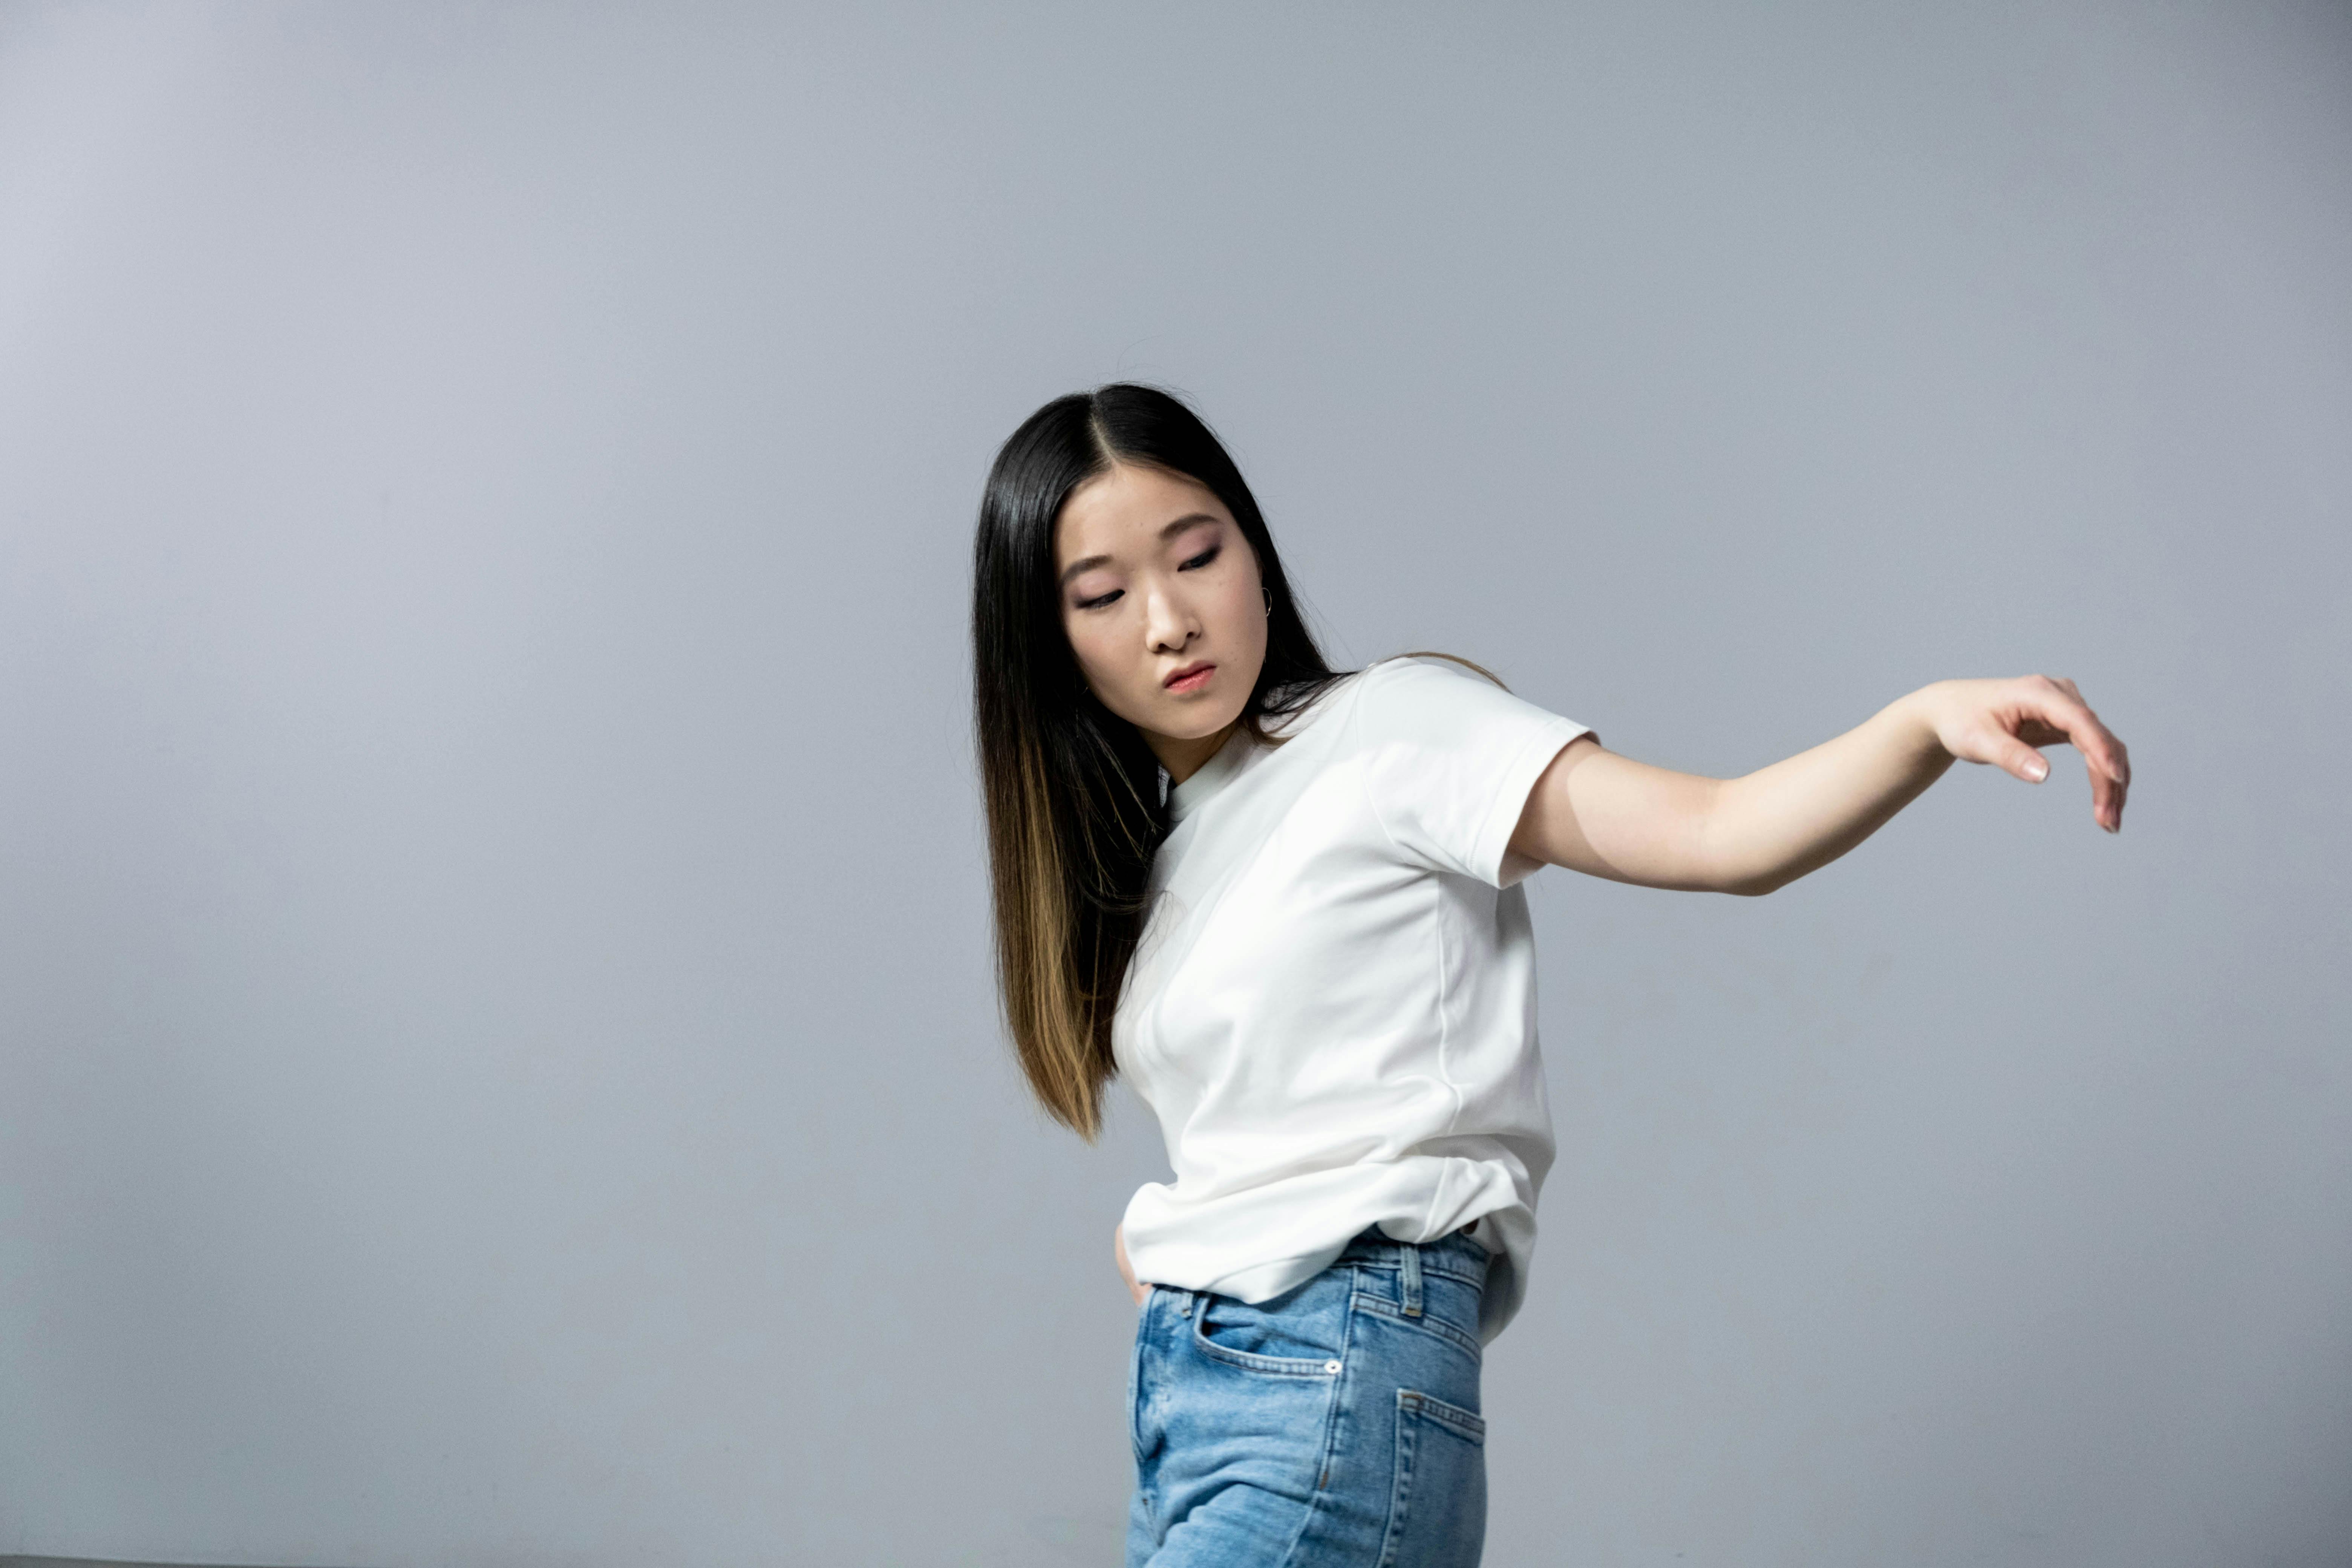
(1136, 1392)
(1444, 1270)
(1334, 1413)
(1429, 1271)
(1400, 1483)
(1467, 1344)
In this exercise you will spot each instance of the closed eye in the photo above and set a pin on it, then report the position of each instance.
(1099, 600)
(1202, 559)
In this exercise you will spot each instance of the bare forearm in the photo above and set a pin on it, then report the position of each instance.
(1614, 817)
(1609, 815)
(1771, 826)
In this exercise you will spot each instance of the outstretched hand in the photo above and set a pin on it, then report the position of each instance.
(2004, 721)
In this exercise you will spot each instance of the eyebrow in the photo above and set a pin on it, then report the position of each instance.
(1166, 533)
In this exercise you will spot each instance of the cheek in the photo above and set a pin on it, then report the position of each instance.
(1243, 611)
(1092, 642)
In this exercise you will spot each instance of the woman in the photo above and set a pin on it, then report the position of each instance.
(1284, 902)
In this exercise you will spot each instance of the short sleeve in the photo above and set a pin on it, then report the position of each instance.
(1448, 760)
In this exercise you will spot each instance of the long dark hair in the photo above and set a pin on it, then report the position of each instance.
(1073, 793)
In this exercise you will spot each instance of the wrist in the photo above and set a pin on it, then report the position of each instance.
(1918, 719)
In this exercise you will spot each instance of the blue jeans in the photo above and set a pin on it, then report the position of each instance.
(1337, 1424)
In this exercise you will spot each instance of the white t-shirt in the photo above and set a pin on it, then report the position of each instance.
(1332, 1010)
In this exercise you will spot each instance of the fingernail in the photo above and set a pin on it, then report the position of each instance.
(2037, 770)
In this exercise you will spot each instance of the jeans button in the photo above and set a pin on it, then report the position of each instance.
(1332, 1367)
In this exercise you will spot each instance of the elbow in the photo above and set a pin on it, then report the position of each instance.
(1753, 875)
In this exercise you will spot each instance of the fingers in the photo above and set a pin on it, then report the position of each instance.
(2110, 784)
(2110, 769)
(2014, 756)
(2060, 707)
(2106, 799)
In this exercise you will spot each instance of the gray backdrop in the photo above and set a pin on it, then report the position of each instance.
(497, 1056)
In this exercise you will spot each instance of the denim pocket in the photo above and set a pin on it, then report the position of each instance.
(1437, 1509)
(1296, 1336)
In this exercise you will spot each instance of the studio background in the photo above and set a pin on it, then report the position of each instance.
(498, 1063)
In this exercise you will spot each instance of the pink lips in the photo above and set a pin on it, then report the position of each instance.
(1192, 677)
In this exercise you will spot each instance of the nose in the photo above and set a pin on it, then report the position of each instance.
(1169, 625)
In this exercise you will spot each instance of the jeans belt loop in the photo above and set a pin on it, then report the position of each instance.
(1409, 1277)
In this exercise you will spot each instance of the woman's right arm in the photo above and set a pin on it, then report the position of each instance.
(1595, 812)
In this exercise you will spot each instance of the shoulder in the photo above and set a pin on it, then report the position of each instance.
(1415, 684)
(1438, 703)
(1415, 672)
(1402, 683)
(1293, 711)
(1424, 700)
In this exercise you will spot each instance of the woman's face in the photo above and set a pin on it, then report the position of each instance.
(1161, 599)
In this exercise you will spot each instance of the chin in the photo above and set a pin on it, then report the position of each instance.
(1197, 721)
(1200, 723)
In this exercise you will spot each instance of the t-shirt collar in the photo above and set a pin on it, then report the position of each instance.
(1211, 777)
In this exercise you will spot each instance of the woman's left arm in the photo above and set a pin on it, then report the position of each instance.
(1597, 812)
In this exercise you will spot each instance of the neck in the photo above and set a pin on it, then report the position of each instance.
(1183, 758)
